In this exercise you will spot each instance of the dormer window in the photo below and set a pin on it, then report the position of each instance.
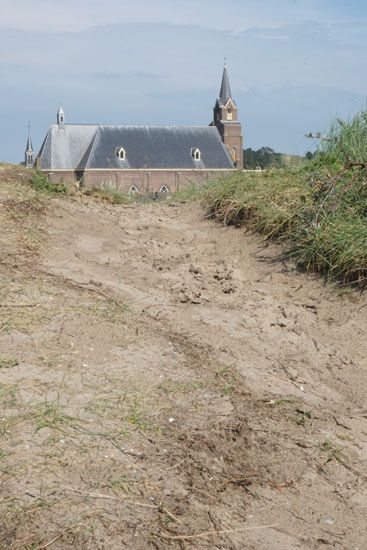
(121, 153)
(196, 153)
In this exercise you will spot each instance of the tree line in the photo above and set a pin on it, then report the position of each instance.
(265, 158)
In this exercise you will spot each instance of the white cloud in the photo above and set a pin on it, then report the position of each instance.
(76, 15)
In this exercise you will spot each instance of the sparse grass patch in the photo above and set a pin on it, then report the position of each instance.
(171, 386)
(51, 415)
(8, 362)
(109, 311)
(108, 194)
(332, 450)
(226, 380)
(191, 192)
(137, 416)
(24, 318)
(122, 409)
(9, 397)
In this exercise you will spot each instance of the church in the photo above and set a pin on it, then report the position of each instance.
(142, 159)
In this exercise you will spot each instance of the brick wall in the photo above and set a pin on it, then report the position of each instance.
(150, 181)
(145, 181)
(61, 176)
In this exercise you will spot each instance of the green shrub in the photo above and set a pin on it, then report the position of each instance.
(40, 182)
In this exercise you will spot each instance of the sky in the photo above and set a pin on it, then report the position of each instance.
(294, 65)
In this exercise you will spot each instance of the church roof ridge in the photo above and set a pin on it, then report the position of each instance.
(103, 125)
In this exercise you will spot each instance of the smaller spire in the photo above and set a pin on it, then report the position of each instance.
(225, 90)
(29, 153)
(60, 116)
(29, 144)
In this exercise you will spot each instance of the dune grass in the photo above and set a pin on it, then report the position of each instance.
(318, 210)
(108, 194)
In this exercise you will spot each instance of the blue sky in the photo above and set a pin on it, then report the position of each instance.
(294, 65)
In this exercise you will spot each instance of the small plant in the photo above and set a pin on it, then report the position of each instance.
(333, 452)
(302, 417)
(8, 363)
(227, 380)
(50, 415)
(136, 416)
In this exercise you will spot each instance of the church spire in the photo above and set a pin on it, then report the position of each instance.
(225, 89)
(29, 147)
(29, 153)
(226, 121)
(60, 116)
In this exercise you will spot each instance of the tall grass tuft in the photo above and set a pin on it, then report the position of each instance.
(346, 143)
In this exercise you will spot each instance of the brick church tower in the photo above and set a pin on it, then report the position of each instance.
(226, 120)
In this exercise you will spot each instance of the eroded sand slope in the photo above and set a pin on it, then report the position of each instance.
(224, 407)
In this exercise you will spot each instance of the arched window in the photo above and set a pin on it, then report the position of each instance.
(133, 190)
(121, 153)
(164, 189)
(229, 114)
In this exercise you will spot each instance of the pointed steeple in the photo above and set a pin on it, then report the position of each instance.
(225, 118)
(225, 90)
(29, 148)
(29, 153)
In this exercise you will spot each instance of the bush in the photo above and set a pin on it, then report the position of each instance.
(40, 182)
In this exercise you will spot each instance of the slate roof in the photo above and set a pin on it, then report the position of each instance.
(79, 147)
(64, 146)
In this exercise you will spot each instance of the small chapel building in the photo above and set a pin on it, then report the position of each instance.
(143, 159)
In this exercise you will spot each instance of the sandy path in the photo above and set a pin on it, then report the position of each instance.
(249, 381)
